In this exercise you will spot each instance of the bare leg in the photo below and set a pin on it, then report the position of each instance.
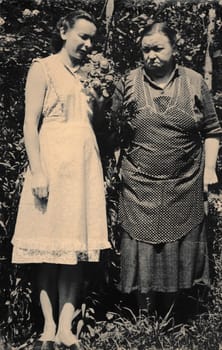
(47, 281)
(70, 280)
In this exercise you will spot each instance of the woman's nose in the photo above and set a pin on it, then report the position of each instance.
(151, 55)
(88, 43)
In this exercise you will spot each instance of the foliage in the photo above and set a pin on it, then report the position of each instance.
(152, 332)
(187, 17)
(25, 32)
(86, 320)
(99, 75)
(16, 323)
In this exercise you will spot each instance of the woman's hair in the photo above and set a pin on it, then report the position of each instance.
(159, 27)
(66, 23)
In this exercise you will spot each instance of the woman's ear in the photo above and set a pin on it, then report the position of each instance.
(175, 51)
(63, 33)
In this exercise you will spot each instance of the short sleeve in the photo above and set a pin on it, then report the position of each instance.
(44, 69)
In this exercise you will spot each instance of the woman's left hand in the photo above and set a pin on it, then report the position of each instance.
(99, 99)
(210, 177)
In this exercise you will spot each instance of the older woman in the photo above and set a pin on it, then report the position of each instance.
(170, 163)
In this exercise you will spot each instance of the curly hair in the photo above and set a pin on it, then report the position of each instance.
(66, 23)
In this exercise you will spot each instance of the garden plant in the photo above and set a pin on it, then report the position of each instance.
(25, 31)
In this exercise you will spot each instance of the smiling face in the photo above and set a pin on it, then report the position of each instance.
(157, 52)
(78, 39)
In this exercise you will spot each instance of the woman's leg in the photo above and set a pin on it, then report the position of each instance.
(47, 283)
(146, 302)
(167, 303)
(69, 287)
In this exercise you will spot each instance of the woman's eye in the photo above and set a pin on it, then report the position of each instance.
(84, 37)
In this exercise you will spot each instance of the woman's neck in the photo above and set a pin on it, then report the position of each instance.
(67, 60)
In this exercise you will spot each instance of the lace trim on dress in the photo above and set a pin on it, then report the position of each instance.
(55, 256)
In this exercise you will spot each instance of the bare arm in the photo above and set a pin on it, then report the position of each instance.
(34, 97)
(211, 151)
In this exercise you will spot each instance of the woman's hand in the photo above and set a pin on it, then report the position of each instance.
(99, 99)
(40, 186)
(210, 177)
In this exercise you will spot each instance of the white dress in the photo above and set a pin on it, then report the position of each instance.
(73, 219)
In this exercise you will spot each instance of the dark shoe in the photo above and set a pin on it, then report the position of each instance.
(43, 345)
(66, 347)
(74, 347)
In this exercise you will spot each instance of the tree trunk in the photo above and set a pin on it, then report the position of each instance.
(208, 67)
(109, 16)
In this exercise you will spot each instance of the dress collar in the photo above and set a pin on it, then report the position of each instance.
(72, 70)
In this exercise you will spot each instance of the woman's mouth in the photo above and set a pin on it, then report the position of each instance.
(154, 63)
(83, 52)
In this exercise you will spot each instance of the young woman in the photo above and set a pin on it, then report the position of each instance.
(62, 214)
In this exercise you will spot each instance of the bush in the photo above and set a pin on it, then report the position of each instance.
(25, 31)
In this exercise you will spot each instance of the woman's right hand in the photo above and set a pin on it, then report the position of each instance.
(40, 187)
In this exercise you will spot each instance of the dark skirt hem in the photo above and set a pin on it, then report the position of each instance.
(205, 282)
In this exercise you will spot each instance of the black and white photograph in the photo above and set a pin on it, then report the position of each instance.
(111, 175)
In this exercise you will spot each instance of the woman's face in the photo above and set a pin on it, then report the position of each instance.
(78, 39)
(157, 52)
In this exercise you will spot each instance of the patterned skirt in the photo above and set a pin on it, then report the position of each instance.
(166, 267)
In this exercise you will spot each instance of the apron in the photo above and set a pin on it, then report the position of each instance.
(162, 173)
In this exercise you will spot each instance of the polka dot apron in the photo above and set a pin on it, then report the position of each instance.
(162, 197)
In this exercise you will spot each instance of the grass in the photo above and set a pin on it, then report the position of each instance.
(117, 325)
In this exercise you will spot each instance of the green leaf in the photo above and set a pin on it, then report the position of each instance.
(79, 327)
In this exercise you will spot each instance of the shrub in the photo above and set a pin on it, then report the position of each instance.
(25, 31)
